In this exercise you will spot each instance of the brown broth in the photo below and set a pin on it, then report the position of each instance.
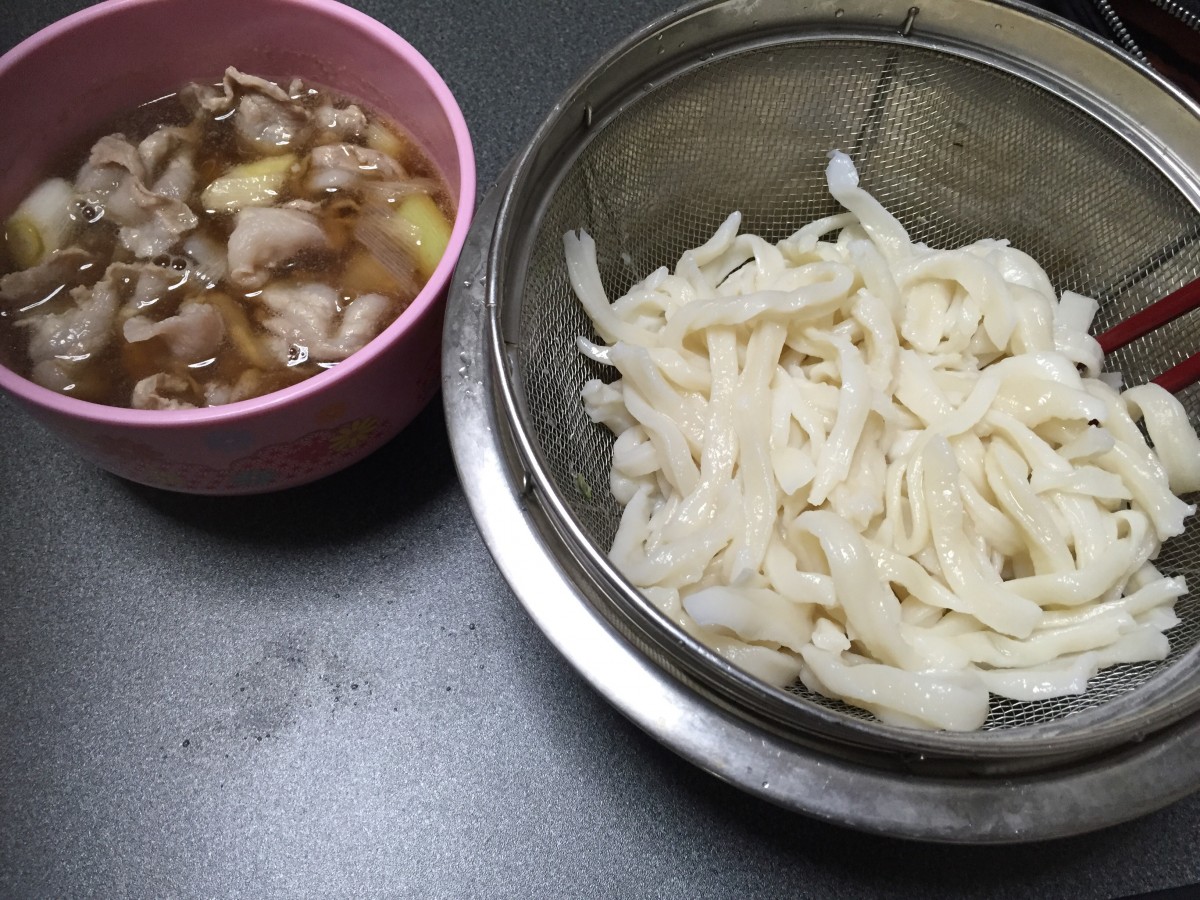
(109, 377)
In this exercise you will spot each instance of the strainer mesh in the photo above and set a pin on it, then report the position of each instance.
(956, 149)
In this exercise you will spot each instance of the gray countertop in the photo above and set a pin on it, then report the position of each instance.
(331, 692)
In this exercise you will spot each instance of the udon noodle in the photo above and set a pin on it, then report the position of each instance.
(893, 472)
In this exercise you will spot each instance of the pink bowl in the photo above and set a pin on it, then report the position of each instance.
(71, 78)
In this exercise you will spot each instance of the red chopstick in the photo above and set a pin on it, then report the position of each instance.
(1169, 307)
(1176, 378)
(1153, 316)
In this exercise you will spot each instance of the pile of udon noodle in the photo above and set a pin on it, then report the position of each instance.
(894, 472)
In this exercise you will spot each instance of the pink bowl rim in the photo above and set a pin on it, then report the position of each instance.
(429, 296)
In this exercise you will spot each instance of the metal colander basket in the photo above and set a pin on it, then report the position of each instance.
(967, 120)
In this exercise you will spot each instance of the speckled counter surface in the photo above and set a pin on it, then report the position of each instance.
(331, 692)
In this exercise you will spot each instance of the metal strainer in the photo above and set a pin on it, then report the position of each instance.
(967, 120)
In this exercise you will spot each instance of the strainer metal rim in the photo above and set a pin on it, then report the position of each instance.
(1080, 797)
(1085, 732)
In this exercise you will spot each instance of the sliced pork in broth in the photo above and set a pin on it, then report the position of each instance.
(218, 244)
